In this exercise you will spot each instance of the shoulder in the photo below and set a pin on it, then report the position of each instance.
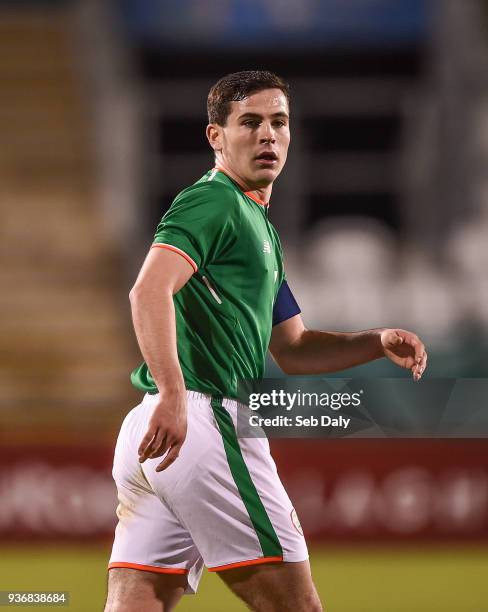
(211, 194)
(204, 206)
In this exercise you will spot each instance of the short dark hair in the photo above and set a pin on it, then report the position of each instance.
(237, 86)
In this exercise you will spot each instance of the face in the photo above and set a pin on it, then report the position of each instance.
(254, 142)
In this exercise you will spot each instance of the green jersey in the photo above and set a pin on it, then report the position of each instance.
(224, 312)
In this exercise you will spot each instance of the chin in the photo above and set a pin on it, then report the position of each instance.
(265, 177)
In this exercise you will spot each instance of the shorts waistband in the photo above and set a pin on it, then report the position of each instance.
(195, 395)
(227, 402)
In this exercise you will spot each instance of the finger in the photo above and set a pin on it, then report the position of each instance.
(158, 446)
(419, 352)
(146, 440)
(423, 363)
(145, 445)
(395, 339)
(172, 455)
(419, 368)
(418, 346)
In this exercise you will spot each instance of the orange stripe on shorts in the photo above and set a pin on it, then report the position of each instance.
(245, 563)
(148, 568)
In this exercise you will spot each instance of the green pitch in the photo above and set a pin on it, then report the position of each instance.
(430, 579)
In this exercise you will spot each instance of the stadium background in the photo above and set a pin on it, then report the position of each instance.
(383, 213)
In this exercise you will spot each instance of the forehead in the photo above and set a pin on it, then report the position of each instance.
(265, 102)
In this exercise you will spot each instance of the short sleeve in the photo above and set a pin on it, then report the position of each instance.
(201, 222)
(285, 306)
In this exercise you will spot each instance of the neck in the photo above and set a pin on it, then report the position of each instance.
(262, 193)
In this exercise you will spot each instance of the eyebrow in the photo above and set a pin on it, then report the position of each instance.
(258, 116)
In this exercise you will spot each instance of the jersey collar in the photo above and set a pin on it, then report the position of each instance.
(249, 194)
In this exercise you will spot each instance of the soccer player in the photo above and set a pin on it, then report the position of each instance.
(210, 300)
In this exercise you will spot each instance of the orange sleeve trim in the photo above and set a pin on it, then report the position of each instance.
(259, 561)
(148, 568)
(170, 247)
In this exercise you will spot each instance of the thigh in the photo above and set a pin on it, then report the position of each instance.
(131, 590)
(283, 587)
(149, 537)
(227, 493)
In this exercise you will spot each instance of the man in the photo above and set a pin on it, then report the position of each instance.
(209, 301)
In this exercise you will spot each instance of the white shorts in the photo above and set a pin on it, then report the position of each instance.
(220, 504)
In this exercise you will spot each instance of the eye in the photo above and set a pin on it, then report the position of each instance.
(251, 123)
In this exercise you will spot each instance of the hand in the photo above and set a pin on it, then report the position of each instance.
(405, 349)
(166, 430)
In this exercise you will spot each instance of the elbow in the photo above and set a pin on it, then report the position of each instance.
(137, 293)
(291, 369)
(146, 293)
(286, 369)
(290, 357)
(134, 294)
(288, 366)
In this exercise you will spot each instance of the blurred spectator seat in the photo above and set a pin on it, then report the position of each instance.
(65, 351)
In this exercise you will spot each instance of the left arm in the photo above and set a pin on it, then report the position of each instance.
(298, 350)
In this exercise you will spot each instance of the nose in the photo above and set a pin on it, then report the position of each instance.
(267, 134)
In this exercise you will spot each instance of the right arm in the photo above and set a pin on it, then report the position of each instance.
(162, 275)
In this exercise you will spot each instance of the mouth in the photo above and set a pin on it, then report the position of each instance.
(267, 158)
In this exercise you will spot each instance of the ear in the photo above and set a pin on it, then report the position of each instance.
(214, 136)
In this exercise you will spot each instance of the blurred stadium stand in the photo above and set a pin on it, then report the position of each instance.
(64, 341)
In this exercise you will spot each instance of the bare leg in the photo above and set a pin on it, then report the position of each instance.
(281, 587)
(131, 590)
